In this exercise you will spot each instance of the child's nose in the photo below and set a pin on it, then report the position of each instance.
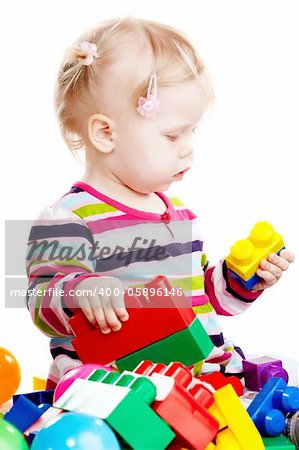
(186, 151)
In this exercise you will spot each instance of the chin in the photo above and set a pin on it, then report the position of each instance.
(163, 187)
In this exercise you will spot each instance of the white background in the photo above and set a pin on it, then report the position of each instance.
(247, 148)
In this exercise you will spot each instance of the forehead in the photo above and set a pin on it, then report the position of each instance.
(182, 104)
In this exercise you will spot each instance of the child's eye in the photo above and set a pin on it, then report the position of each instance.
(174, 138)
(171, 138)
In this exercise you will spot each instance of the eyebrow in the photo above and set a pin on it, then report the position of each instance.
(182, 127)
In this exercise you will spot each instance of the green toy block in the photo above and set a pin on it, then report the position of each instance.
(187, 346)
(278, 443)
(123, 401)
(149, 431)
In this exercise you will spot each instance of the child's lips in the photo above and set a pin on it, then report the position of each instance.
(180, 174)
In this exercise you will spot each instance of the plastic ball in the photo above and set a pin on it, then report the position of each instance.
(11, 438)
(75, 431)
(82, 372)
(10, 375)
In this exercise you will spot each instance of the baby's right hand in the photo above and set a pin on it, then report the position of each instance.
(105, 310)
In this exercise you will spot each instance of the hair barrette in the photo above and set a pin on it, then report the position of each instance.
(91, 52)
(149, 105)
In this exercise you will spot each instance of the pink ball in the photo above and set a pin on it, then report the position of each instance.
(82, 372)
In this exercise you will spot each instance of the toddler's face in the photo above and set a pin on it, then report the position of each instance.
(149, 152)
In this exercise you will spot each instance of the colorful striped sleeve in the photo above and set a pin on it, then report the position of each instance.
(227, 296)
(58, 256)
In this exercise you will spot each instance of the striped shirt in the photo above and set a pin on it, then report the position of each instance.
(75, 229)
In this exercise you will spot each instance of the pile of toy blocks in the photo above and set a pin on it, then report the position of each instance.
(152, 401)
(155, 406)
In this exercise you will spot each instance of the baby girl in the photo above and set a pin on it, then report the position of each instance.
(130, 94)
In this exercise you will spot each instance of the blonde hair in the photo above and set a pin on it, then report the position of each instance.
(174, 60)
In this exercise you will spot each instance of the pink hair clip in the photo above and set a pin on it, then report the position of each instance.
(91, 52)
(150, 105)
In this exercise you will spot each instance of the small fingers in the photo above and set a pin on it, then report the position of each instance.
(122, 314)
(90, 316)
(110, 314)
(279, 261)
(106, 311)
(87, 310)
(96, 303)
(272, 268)
(287, 255)
(118, 301)
(101, 319)
(267, 276)
(112, 318)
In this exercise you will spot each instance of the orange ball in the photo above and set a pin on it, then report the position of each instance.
(10, 375)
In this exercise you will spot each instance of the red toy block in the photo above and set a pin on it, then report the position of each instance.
(176, 370)
(218, 380)
(152, 319)
(182, 405)
(181, 375)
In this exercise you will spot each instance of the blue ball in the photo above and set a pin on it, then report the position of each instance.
(75, 431)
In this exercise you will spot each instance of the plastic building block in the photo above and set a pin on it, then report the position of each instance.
(123, 401)
(24, 413)
(270, 405)
(211, 446)
(278, 443)
(237, 431)
(39, 384)
(182, 404)
(246, 254)
(188, 346)
(218, 380)
(37, 397)
(175, 446)
(176, 370)
(151, 319)
(30, 438)
(181, 376)
(258, 370)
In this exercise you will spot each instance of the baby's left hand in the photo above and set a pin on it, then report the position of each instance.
(270, 269)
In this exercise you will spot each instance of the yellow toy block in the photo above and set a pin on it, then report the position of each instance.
(237, 431)
(216, 412)
(227, 441)
(246, 254)
(39, 384)
(211, 446)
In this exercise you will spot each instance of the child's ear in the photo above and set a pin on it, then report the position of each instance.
(101, 132)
